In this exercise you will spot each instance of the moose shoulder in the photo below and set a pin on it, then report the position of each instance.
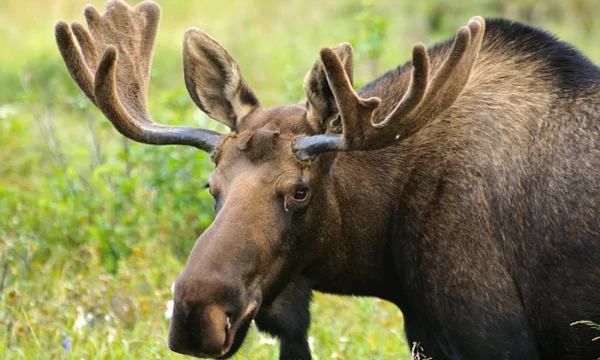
(464, 187)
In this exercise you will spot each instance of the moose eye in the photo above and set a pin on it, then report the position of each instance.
(301, 194)
(298, 199)
(337, 122)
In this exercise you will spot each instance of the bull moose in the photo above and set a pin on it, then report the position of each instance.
(463, 186)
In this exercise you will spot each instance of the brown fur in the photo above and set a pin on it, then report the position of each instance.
(214, 81)
(481, 222)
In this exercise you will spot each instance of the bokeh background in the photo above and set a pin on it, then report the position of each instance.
(94, 228)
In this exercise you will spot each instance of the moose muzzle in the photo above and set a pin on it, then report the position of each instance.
(210, 318)
(217, 295)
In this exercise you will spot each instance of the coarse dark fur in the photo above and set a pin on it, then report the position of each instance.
(494, 219)
(482, 226)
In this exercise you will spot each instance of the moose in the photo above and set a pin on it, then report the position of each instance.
(462, 186)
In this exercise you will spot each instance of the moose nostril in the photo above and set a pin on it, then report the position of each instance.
(209, 327)
(203, 332)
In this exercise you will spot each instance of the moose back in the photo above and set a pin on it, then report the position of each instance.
(463, 186)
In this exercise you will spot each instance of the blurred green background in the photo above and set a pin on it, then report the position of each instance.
(94, 228)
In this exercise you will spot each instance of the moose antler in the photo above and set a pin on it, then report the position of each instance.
(424, 100)
(114, 69)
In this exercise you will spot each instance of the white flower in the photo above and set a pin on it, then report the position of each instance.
(8, 110)
(169, 311)
(267, 340)
(311, 345)
(108, 317)
(111, 335)
(80, 322)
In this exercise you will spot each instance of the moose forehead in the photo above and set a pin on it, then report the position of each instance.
(262, 144)
(287, 119)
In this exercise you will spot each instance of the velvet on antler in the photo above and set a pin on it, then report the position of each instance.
(113, 69)
(423, 102)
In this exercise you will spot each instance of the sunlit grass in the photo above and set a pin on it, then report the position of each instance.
(112, 317)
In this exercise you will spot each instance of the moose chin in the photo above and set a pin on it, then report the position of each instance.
(462, 186)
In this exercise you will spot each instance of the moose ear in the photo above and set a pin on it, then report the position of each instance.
(214, 80)
(321, 106)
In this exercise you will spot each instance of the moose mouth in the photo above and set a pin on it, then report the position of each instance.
(235, 333)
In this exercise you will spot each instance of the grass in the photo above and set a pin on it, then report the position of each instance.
(125, 315)
(94, 229)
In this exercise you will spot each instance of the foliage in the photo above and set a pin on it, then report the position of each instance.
(94, 228)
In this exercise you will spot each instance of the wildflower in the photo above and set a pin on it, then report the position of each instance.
(169, 311)
(80, 322)
(416, 352)
(111, 334)
(267, 340)
(311, 345)
(65, 343)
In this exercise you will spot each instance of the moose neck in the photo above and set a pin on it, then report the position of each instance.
(373, 195)
(357, 224)
(364, 198)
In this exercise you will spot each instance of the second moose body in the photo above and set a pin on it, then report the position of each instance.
(464, 187)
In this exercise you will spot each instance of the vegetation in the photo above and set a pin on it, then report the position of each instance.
(94, 228)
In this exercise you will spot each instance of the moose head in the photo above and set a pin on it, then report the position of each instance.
(278, 196)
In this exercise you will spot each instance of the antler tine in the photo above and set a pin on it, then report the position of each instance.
(423, 102)
(453, 75)
(417, 87)
(356, 113)
(90, 54)
(118, 83)
(439, 93)
(142, 129)
(80, 73)
(445, 86)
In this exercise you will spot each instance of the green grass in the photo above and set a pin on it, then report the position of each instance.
(92, 224)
